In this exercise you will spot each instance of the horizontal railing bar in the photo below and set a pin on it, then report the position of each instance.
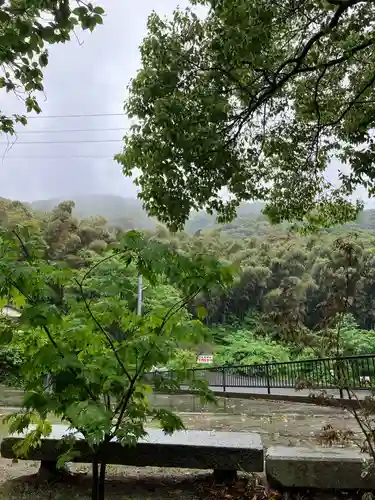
(324, 373)
(283, 363)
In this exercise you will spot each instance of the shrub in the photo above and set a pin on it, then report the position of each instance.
(244, 349)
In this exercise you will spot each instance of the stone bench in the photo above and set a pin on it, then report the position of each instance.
(224, 452)
(322, 468)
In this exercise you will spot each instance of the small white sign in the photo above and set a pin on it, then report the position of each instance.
(205, 359)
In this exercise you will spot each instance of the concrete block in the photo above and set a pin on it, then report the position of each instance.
(222, 451)
(323, 468)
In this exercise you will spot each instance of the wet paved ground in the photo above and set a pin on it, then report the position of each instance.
(278, 422)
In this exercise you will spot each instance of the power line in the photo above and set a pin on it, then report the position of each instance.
(74, 116)
(80, 141)
(69, 130)
(79, 157)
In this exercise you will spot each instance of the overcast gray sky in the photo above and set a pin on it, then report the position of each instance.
(90, 78)
(83, 78)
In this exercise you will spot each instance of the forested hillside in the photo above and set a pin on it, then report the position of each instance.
(288, 291)
(127, 213)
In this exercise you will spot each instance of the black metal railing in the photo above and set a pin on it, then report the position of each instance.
(341, 373)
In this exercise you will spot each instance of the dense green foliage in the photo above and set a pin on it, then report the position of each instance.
(285, 300)
(80, 351)
(247, 344)
(257, 98)
(127, 213)
(64, 236)
(26, 28)
(241, 346)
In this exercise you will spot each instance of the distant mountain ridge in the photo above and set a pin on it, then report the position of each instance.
(119, 211)
(128, 213)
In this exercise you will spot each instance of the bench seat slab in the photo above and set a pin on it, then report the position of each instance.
(184, 449)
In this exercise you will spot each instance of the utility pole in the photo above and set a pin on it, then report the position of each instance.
(139, 296)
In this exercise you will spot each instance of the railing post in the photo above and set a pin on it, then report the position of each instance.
(268, 379)
(224, 380)
(340, 377)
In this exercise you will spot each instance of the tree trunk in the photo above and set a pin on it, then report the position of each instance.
(95, 480)
(101, 485)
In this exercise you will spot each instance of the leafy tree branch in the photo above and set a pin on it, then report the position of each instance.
(26, 28)
(258, 99)
(98, 384)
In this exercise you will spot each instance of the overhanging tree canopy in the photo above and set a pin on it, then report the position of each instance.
(257, 97)
(26, 27)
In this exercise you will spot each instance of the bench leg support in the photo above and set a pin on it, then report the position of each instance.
(225, 476)
(48, 471)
